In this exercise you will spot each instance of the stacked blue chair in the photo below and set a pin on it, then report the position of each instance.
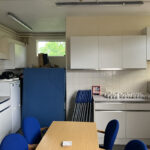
(136, 145)
(110, 132)
(83, 110)
(31, 130)
(14, 142)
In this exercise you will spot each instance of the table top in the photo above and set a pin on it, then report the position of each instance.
(82, 134)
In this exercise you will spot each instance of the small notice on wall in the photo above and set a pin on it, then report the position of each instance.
(96, 90)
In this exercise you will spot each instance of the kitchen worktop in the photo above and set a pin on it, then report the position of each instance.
(101, 99)
(4, 98)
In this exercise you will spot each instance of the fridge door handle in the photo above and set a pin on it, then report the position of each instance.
(4, 109)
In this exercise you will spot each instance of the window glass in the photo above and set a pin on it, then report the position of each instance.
(51, 48)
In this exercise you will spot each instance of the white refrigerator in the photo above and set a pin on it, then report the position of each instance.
(11, 88)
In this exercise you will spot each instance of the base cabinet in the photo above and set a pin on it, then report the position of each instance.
(103, 117)
(134, 120)
(138, 124)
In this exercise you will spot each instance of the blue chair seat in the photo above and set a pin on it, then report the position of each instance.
(14, 142)
(135, 145)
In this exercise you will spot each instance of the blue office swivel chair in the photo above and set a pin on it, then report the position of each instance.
(14, 142)
(135, 145)
(31, 130)
(110, 132)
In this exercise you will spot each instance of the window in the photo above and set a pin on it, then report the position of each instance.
(51, 48)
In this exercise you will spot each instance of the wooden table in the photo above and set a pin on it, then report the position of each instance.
(83, 136)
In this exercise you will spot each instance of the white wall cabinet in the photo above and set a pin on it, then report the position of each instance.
(84, 52)
(134, 51)
(110, 52)
(20, 55)
(17, 56)
(4, 48)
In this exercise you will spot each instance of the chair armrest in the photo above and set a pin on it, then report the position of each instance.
(32, 146)
(44, 128)
(101, 149)
(100, 131)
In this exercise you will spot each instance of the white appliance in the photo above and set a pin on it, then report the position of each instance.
(11, 88)
(5, 117)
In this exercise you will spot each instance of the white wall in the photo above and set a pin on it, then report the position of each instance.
(121, 81)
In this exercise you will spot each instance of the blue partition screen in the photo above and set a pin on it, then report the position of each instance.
(44, 94)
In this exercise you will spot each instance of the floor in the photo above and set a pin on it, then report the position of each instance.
(118, 147)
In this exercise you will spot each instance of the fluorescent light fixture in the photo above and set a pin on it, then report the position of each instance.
(12, 16)
(101, 3)
(111, 69)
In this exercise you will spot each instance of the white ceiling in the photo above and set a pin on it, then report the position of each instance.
(45, 16)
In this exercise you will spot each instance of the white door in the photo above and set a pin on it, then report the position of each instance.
(103, 117)
(138, 124)
(84, 52)
(110, 52)
(15, 93)
(16, 119)
(5, 122)
(134, 51)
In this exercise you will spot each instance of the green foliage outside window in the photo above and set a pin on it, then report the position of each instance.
(52, 48)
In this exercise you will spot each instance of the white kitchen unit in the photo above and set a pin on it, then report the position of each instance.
(134, 51)
(4, 48)
(11, 88)
(17, 56)
(133, 116)
(84, 52)
(137, 124)
(20, 55)
(5, 117)
(110, 52)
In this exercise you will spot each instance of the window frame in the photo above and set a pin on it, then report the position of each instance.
(50, 40)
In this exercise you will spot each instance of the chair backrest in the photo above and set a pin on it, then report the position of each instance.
(84, 96)
(14, 142)
(111, 134)
(31, 130)
(135, 145)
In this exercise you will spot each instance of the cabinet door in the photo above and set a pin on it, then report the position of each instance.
(84, 52)
(134, 52)
(110, 52)
(148, 43)
(5, 123)
(4, 48)
(138, 124)
(20, 56)
(103, 117)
